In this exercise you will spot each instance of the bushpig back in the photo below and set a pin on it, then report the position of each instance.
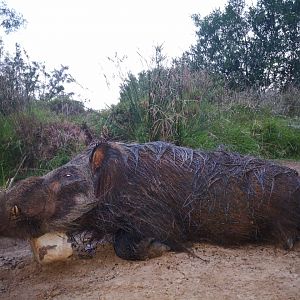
(176, 194)
(158, 190)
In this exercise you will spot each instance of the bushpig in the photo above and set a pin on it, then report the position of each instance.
(156, 196)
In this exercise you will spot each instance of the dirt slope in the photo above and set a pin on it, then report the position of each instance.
(248, 272)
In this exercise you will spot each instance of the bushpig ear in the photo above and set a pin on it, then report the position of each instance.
(98, 156)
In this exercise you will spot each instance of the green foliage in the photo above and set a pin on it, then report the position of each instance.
(10, 149)
(193, 108)
(248, 132)
(255, 47)
(156, 103)
(222, 39)
(10, 20)
(66, 106)
(39, 137)
(23, 82)
(277, 138)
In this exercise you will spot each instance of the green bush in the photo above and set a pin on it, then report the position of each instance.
(244, 130)
(39, 141)
(10, 149)
(277, 139)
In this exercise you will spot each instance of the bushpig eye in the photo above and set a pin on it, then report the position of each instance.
(68, 175)
(15, 212)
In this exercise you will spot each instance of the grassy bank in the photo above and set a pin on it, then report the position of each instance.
(244, 130)
(37, 140)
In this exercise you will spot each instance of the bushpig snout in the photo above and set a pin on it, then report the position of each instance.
(25, 207)
(30, 198)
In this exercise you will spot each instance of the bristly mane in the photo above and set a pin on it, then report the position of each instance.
(176, 194)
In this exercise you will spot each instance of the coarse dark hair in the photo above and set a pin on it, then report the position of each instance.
(176, 194)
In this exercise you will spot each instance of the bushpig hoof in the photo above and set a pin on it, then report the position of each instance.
(131, 247)
(156, 249)
(289, 244)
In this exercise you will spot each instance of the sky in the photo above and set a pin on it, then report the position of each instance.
(84, 34)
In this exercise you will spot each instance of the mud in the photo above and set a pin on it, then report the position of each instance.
(247, 272)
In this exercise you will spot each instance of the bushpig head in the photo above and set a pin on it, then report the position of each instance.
(54, 202)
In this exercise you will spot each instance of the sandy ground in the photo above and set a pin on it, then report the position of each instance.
(248, 272)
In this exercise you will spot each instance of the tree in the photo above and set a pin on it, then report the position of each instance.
(10, 20)
(222, 45)
(23, 81)
(259, 46)
(53, 84)
(276, 40)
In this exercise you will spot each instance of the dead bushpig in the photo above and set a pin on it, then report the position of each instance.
(156, 196)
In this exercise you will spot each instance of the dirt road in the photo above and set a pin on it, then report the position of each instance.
(248, 272)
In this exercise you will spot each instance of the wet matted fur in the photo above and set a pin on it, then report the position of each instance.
(176, 194)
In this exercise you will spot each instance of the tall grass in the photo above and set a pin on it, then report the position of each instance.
(197, 109)
(244, 130)
(10, 149)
